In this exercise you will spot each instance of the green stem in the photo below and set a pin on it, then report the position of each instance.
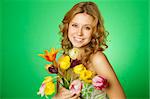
(55, 63)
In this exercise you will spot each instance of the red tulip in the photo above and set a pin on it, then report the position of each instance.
(99, 82)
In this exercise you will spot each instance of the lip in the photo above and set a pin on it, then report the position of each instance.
(78, 39)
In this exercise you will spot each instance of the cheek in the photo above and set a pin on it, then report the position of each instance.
(88, 34)
(71, 32)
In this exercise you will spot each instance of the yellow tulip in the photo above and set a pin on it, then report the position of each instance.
(64, 62)
(49, 88)
(48, 79)
(77, 69)
(86, 75)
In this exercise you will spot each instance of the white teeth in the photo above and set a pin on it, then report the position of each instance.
(78, 39)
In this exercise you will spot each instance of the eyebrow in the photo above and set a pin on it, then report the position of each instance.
(84, 24)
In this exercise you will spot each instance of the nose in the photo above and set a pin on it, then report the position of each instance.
(80, 31)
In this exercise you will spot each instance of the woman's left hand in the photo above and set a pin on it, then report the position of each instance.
(63, 93)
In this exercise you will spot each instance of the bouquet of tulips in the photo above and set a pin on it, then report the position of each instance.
(71, 74)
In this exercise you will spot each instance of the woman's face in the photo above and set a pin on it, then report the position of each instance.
(80, 30)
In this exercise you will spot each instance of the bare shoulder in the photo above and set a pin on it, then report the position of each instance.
(101, 64)
(103, 68)
(99, 57)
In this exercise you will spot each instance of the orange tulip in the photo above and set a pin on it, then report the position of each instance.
(50, 56)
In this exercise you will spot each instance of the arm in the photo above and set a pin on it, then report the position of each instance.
(104, 69)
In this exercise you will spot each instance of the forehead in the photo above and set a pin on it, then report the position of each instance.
(82, 18)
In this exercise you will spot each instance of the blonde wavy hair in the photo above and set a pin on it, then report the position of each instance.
(98, 41)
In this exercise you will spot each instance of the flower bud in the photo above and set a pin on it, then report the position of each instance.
(52, 69)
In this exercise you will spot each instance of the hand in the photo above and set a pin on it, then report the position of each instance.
(63, 93)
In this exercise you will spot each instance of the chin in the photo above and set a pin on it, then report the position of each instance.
(78, 45)
(75, 44)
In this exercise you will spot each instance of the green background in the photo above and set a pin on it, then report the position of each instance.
(28, 27)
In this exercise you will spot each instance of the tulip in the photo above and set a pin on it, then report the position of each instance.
(50, 56)
(49, 88)
(99, 82)
(77, 69)
(76, 87)
(51, 68)
(75, 63)
(47, 79)
(64, 62)
(86, 75)
(41, 90)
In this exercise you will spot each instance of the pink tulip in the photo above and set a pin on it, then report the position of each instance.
(99, 82)
(76, 86)
(41, 90)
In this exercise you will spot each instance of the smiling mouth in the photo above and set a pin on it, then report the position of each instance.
(78, 39)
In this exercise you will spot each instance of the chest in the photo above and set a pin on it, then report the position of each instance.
(91, 68)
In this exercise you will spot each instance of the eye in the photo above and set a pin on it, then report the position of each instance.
(74, 25)
(88, 28)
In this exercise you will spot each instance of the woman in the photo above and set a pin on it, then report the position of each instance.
(82, 28)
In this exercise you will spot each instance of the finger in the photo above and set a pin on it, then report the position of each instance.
(65, 93)
(68, 95)
(62, 89)
(75, 97)
(61, 92)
